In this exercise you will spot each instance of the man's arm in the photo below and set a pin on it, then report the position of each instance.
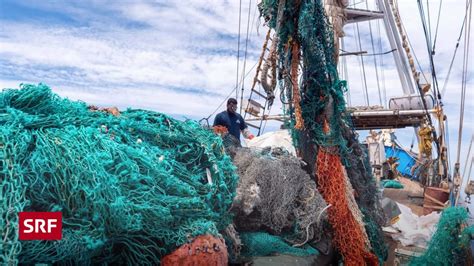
(245, 129)
(218, 120)
(247, 134)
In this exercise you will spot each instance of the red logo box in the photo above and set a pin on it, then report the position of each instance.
(40, 225)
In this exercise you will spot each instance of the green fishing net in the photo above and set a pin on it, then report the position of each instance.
(264, 244)
(322, 100)
(326, 121)
(391, 184)
(450, 243)
(131, 188)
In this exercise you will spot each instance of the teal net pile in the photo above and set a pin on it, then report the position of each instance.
(450, 243)
(131, 188)
(391, 184)
(374, 233)
(319, 119)
(264, 244)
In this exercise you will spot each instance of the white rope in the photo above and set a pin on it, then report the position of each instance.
(467, 158)
(467, 36)
(361, 65)
(346, 74)
(245, 57)
(454, 54)
(375, 58)
(384, 88)
(238, 51)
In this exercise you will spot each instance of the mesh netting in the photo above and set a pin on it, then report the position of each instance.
(349, 237)
(302, 31)
(366, 194)
(450, 243)
(131, 188)
(391, 184)
(375, 235)
(276, 195)
(264, 244)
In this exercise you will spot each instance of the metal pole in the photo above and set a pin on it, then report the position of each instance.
(408, 83)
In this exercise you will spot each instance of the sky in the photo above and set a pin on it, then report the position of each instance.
(180, 57)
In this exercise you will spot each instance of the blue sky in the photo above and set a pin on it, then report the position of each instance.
(179, 57)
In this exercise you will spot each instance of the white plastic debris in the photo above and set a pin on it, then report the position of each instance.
(414, 230)
(280, 138)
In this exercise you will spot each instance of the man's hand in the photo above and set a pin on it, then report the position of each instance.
(247, 134)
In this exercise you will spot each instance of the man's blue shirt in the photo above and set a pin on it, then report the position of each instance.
(233, 122)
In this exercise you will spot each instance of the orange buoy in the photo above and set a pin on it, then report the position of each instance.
(204, 250)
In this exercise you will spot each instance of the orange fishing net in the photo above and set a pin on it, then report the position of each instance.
(204, 250)
(349, 234)
(220, 130)
(295, 59)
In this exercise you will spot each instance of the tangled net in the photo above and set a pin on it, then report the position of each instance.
(346, 219)
(366, 193)
(450, 243)
(303, 31)
(277, 198)
(131, 188)
(275, 194)
(264, 244)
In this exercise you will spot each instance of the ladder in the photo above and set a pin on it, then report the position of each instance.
(257, 110)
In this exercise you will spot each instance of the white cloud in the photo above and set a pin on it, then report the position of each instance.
(178, 46)
(446, 40)
(178, 57)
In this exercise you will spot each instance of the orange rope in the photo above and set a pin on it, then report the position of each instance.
(295, 60)
(326, 128)
(349, 237)
(220, 130)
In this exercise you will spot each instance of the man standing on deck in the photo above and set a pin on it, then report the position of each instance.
(233, 121)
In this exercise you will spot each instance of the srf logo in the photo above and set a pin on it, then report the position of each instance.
(40, 225)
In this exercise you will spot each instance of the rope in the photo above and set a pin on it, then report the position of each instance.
(375, 59)
(414, 55)
(437, 26)
(429, 20)
(430, 55)
(228, 95)
(469, 172)
(406, 46)
(467, 36)
(238, 51)
(467, 158)
(318, 220)
(455, 51)
(382, 64)
(295, 59)
(245, 57)
(346, 75)
(363, 67)
(448, 145)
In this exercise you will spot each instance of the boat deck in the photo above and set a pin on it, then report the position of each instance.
(379, 119)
